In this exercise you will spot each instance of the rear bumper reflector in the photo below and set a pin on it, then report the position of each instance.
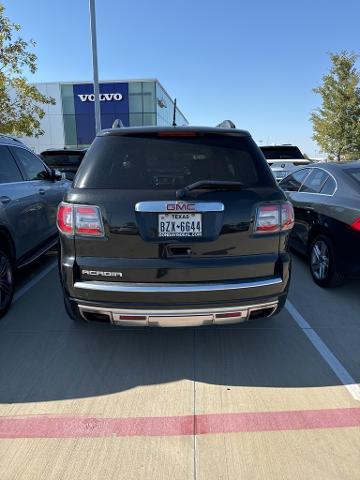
(173, 287)
(179, 318)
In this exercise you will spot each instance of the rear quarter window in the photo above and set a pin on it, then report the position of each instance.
(59, 160)
(293, 182)
(9, 171)
(144, 162)
(315, 181)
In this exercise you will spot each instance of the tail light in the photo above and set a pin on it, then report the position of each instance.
(356, 225)
(274, 218)
(287, 216)
(268, 219)
(80, 220)
(65, 219)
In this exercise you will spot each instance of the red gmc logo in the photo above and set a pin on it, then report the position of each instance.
(180, 207)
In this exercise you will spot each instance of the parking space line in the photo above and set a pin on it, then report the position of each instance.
(28, 286)
(336, 366)
(44, 426)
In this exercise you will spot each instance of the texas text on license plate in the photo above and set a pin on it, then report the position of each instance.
(180, 225)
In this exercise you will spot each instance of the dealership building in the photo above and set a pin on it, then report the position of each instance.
(71, 121)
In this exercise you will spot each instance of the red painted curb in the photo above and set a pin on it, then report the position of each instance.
(77, 427)
(275, 421)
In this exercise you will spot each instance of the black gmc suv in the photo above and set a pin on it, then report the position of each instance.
(174, 227)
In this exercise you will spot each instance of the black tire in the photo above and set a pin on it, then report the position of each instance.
(323, 263)
(72, 310)
(7, 281)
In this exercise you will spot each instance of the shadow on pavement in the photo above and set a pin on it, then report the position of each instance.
(77, 361)
(45, 356)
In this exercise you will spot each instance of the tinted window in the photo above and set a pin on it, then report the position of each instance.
(156, 162)
(33, 166)
(285, 152)
(315, 181)
(9, 171)
(329, 186)
(293, 182)
(354, 173)
(61, 160)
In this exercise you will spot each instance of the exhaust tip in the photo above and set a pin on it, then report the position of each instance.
(98, 317)
(261, 313)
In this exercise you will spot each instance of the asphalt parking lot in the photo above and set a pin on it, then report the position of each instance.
(256, 400)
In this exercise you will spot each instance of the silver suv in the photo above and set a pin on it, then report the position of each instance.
(29, 195)
(283, 159)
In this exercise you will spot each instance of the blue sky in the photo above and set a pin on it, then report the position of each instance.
(253, 62)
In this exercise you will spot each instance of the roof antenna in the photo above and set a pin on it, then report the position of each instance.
(226, 124)
(117, 123)
(174, 114)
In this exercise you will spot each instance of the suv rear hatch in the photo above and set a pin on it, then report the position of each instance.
(283, 159)
(67, 161)
(152, 236)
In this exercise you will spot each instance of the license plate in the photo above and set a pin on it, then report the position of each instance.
(180, 225)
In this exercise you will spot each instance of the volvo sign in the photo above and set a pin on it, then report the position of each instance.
(103, 97)
(114, 104)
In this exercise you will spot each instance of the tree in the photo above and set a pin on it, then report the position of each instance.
(20, 102)
(336, 123)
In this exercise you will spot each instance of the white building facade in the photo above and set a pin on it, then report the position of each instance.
(70, 123)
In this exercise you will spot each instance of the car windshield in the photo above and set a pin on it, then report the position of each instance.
(354, 173)
(61, 160)
(273, 153)
(157, 162)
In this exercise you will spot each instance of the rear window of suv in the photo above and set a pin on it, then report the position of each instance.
(140, 162)
(276, 153)
(60, 160)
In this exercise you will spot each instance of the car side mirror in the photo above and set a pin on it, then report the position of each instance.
(57, 175)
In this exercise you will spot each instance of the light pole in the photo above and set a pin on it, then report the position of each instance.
(95, 65)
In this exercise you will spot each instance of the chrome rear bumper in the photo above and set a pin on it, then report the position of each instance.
(178, 318)
(102, 286)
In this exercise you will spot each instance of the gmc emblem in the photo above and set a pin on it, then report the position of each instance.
(180, 207)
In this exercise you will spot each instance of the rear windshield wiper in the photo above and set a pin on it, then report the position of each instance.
(210, 185)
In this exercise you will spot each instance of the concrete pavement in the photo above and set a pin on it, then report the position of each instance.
(96, 402)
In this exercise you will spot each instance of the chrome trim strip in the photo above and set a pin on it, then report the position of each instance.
(178, 318)
(172, 287)
(161, 206)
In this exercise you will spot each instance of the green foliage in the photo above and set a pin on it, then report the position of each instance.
(336, 123)
(20, 102)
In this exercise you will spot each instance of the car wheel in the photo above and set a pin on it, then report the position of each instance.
(323, 265)
(7, 282)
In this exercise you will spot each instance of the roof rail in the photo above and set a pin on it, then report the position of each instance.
(4, 135)
(117, 123)
(226, 124)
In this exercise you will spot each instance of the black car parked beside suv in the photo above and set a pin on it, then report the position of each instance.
(326, 200)
(177, 226)
(65, 160)
(29, 196)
